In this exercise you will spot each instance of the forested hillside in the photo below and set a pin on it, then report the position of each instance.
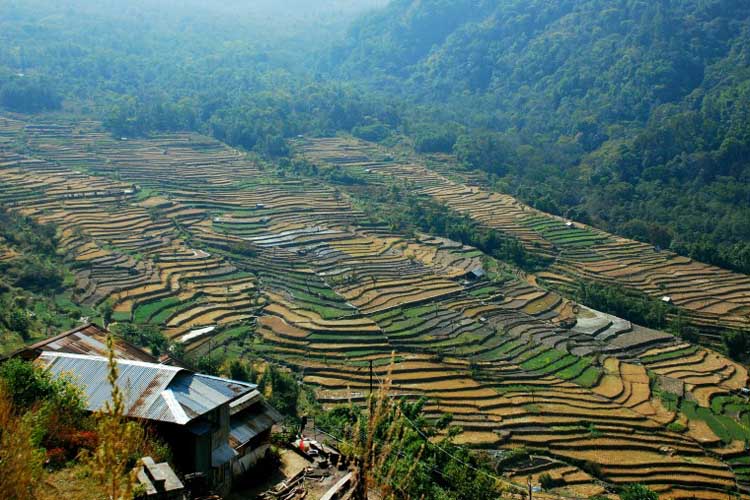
(631, 115)
(237, 71)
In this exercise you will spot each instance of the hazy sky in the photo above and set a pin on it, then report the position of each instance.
(273, 12)
(305, 23)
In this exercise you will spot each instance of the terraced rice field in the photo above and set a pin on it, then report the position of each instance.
(710, 297)
(183, 232)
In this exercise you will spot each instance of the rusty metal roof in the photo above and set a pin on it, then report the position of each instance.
(86, 339)
(151, 391)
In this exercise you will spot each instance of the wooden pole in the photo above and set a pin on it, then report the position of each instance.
(531, 492)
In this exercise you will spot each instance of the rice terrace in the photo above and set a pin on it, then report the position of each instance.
(374, 250)
(211, 246)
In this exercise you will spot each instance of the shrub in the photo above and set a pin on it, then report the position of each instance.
(242, 371)
(547, 482)
(592, 468)
(20, 460)
(676, 427)
(18, 321)
(375, 132)
(637, 492)
(28, 385)
(243, 248)
(737, 344)
(595, 433)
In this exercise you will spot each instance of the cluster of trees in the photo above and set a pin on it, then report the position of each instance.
(631, 116)
(259, 120)
(24, 94)
(279, 386)
(559, 67)
(737, 345)
(144, 335)
(141, 70)
(37, 267)
(634, 307)
(32, 277)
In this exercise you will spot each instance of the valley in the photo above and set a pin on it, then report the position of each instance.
(230, 254)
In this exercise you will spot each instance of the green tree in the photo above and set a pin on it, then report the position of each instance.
(240, 370)
(638, 492)
(19, 322)
(737, 344)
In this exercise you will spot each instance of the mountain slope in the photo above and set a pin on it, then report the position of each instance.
(626, 114)
(612, 61)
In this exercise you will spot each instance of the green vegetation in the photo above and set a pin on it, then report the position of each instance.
(728, 417)
(35, 284)
(396, 205)
(637, 492)
(737, 345)
(145, 312)
(45, 432)
(547, 100)
(28, 385)
(676, 427)
(145, 335)
(725, 427)
(401, 453)
(632, 306)
(27, 95)
(677, 353)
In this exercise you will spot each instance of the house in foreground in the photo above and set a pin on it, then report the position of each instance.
(215, 426)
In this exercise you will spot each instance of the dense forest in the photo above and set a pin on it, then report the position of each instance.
(155, 66)
(628, 115)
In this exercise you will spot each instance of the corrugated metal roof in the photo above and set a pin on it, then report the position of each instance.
(248, 424)
(89, 339)
(151, 391)
(246, 401)
(199, 393)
